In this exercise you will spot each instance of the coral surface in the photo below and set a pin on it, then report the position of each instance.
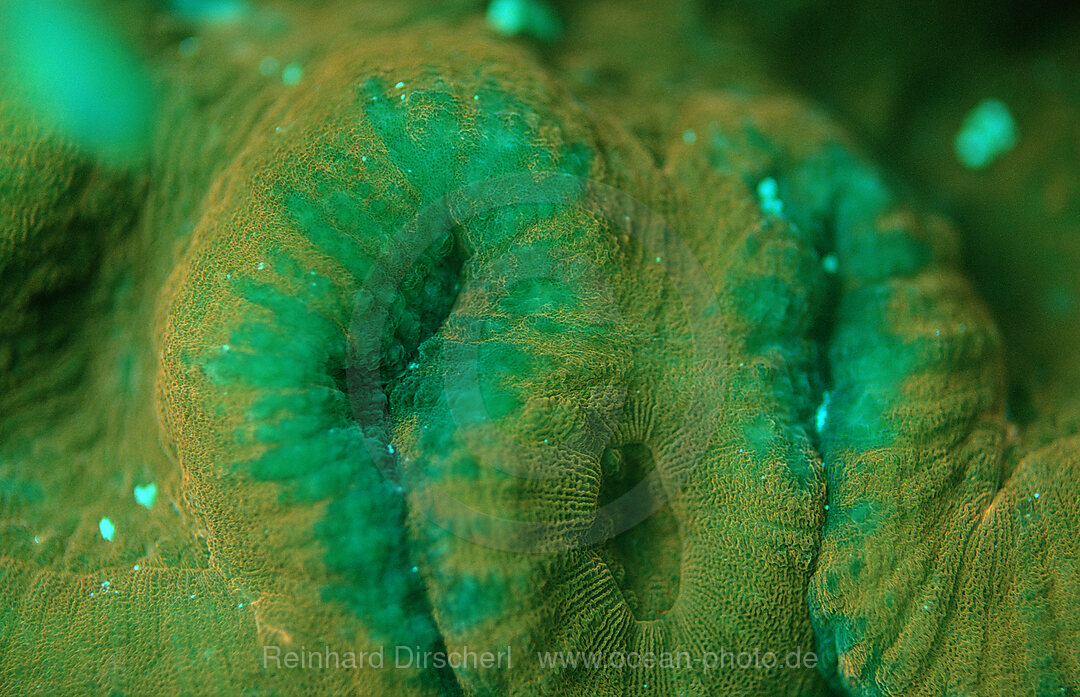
(375, 340)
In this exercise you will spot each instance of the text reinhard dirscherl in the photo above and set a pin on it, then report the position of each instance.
(465, 658)
(399, 657)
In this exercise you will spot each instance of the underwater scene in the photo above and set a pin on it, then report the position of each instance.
(522, 348)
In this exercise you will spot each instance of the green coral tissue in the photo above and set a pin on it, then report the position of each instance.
(503, 349)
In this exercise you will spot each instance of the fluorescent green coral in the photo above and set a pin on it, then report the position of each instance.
(937, 556)
(405, 346)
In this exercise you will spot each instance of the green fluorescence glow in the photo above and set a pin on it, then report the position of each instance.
(987, 132)
(107, 529)
(145, 496)
(211, 11)
(77, 73)
(822, 414)
(830, 263)
(767, 197)
(292, 74)
(524, 18)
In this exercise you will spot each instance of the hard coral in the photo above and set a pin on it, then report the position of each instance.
(443, 359)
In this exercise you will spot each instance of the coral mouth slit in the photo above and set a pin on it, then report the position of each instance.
(645, 559)
(413, 313)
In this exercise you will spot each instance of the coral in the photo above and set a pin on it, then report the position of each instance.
(405, 335)
(59, 211)
(272, 408)
(294, 260)
(942, 556)
(668, 382)
(947, 550)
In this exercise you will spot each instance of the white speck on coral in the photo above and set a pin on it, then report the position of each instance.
(107, 529)
(399, 85)
(145, 496)
(830, 263)
(767, 190)
(260, 266)
(822, 413)
(135, 568)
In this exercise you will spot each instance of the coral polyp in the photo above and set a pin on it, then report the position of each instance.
(418, 352)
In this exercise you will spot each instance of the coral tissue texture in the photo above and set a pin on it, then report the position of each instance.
(396, 341)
